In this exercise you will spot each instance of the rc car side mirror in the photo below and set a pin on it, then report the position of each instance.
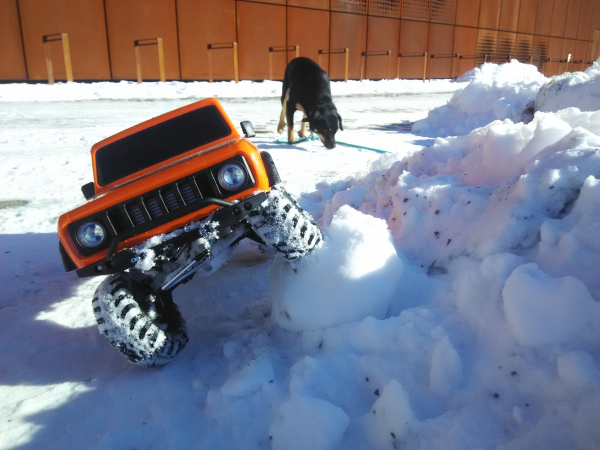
(88, 190)
(247, 128)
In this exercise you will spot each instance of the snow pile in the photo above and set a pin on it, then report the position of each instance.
(351, 276)
(579, 89)
(498, 233)
(494, 92)
(197, 90)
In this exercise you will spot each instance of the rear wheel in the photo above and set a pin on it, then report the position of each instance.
(283, 225)
(146, 327)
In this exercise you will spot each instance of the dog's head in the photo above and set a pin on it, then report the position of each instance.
(325, 122)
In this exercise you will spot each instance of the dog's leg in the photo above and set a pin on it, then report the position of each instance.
(283, 110)
(302, 132)
(291, 109)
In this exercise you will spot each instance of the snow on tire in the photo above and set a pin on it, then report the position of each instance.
(148, 329)
(284, 225)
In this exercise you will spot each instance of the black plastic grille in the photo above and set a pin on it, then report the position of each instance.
(135, 213)
(153, 207)
(170, 200)
(187, 193)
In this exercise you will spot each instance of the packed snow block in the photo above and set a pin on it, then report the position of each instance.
(391, 417)
(543, 310)
(446, 368)
(305, 422)
(352, 197)
(353, 275)
(250, 378)
(571, 245)
(576, 89)
(577, 368)
(494, 92)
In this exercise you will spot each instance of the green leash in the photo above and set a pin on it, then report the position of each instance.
(312, 137)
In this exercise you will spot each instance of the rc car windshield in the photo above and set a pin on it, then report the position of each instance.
(159, 143)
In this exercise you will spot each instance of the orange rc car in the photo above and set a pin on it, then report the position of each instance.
(170, 198)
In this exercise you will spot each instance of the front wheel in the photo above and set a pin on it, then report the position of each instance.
(283, 225)
(146, 327)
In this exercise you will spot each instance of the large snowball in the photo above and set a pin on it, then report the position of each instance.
(544, 310)
(353, 275)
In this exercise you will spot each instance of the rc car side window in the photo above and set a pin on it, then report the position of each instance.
(159, 143)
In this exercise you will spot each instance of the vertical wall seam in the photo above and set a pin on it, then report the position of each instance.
(107, 40)
(22, 39)
(178, 42)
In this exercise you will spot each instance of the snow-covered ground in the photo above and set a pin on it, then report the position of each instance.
(454, 303)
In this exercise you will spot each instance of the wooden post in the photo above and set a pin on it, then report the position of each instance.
(297, 51)
(424, 66)
(232, 45)
(64, 38)
(67, 56)
(271, 64)
(389, 63)
(236, 72)
(455, 68)
(49, 64)
(138, 64)
(363, 59)
(161, 59)
(138, 56)
(347, 59)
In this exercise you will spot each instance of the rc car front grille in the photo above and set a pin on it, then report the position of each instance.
(160, 206)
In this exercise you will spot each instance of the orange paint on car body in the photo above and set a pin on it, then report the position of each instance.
(161, 174)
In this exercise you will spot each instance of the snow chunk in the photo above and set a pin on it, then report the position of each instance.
(577, 368)
(306, 422)
(249, 379)
(544, 310)
(391, 416)
(446, 368)
(352, 276)
(494, 92)
(577, 89)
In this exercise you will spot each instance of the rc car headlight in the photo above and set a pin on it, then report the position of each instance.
(232, 176)
(91, 234)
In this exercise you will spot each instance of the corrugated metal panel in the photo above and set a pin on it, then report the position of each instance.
(416, 9)
(595, 21)
(572, 20)
(487, 41)
(543, 18)
(385, 8)
(465, 44)
(129, 20)
(218, 26)
(355, 6)
(540, 52)
(524, 48)
(413, 41)
(347, 31)
(559, 16)
(310, 43)
(555, 53)
(467, 12)
(585, 20)
(506, 47)
(443, 11)
(509, 15)
(12, 62)
(527, 16)
(260, 26)
(441, 43)
(318, 4)
(489, 14)
(580, 56)
(383, 35)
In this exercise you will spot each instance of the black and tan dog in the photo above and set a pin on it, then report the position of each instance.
(306, 88)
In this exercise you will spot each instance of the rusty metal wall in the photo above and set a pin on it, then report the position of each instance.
(12, 58)
(557, 35)
(201, 24)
